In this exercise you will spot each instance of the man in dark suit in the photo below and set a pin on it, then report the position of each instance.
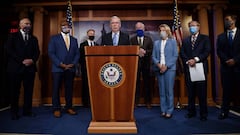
(195, 49)
(228, 51)
(115, 37)
(85, 89)
(145, 53)
(22, 54)
(64, 54)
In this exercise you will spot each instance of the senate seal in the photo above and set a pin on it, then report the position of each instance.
(111, 75)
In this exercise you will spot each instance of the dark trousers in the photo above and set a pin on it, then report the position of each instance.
(15, 81)
(67, 79)
(144, 72)
(197, 89)
(230, 83)
(85, 88)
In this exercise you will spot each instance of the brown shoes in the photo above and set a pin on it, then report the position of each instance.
(71, 112)
(57, 114)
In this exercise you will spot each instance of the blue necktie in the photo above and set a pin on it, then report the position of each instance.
(230, 37)
(115, 39)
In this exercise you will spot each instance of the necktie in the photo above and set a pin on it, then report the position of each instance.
(66, 41)
(92, 43)
(25, 37)
(193, 41)
(140, 41)
(115, 39)
(230, 37)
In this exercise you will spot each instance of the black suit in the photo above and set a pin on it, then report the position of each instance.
(123, 39)
(230, 75)
(201, 50)
(144, 68)
(85, 88)
(18, 50)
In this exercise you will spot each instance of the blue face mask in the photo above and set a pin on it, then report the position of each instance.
(193, 29)
(140, 33)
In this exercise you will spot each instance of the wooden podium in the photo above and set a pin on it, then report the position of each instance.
(112, 74)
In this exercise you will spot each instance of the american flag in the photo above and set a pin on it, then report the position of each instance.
(69, 13)
(178, 35)
(177, 29)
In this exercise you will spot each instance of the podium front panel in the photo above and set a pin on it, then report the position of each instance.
(112, 100)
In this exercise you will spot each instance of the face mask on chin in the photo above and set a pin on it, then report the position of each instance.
(65, 29)
(91, 37)
(27, 29)
(193, 29)
(140, 33)
(163, 34)
(228, 24)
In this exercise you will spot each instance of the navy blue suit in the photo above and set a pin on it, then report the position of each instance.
(230, 75)
(58, 54)
(18, 50)
(201, 50)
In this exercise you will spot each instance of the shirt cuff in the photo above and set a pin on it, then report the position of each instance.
(196, 59)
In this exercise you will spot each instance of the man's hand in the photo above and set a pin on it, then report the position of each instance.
(191, 62)
(142, 52)
(27, 62)
(230, 62)
(66, 66)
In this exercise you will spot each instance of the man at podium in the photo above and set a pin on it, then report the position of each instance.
(115, 37)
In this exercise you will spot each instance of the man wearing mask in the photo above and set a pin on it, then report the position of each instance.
(196, 49)
(64, 54)
(228, 51)
(22, 54)
(146, 44)
(85, 89)
(115, 37)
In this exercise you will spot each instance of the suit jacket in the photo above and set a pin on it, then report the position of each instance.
(82, 51)
(226, 51)
(201, 50)
(123, 39)
(170, 51)
(18, 50)
(58, 52)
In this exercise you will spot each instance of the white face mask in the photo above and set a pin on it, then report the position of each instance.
(163, 34)
(65, 29)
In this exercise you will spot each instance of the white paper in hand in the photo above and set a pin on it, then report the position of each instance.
(197, 72)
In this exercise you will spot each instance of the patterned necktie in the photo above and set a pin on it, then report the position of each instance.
(66, 41)
(193, 41)
(115, 39)
(230, 37)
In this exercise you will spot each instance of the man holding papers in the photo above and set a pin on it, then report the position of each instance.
(194, 53)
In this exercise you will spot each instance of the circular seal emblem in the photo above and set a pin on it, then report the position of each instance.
(111, 75)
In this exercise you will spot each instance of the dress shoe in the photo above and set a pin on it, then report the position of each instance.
(29, 114)
(163, 114)
(189, 115)
(15, 116)
(222, 116)
(168, 116)
(71, 112)
(57, 114)
(203, 118)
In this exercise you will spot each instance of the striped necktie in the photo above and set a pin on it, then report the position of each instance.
(194, 37)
